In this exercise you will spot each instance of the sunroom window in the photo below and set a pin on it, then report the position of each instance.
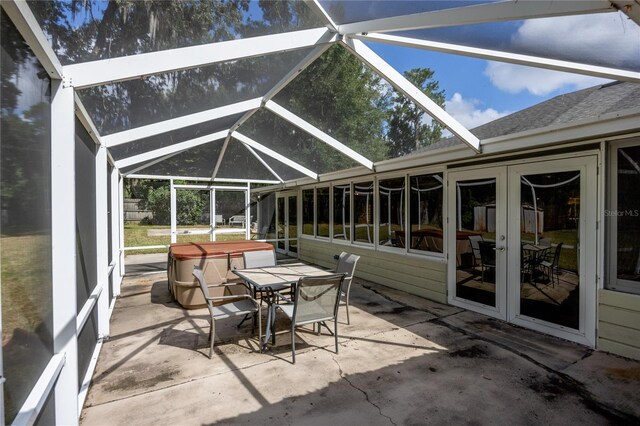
(425, 212)
(623, 216)
(322, 212)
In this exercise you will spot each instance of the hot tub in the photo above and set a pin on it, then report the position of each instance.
(216, 259)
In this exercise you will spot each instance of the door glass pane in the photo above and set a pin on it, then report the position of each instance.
(293, 224)
(192, 214)
(549, 256)
(322, 212)
(363, 212)
(280, 223)
(391, 212)
(475, 241)
(341, 212)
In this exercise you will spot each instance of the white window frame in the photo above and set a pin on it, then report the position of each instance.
(614, 283)
(315, 211)
(313, 219)
(376, 221)
(331, 218)
(373, 213)
(422, 172)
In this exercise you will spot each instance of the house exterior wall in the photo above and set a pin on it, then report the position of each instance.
(420, 275)
(619, 323)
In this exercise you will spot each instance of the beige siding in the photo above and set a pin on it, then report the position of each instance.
(417, 275)
(619, 323)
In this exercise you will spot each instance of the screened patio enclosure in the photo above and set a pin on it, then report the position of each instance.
(261, 97)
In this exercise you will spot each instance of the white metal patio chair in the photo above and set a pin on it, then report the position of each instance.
(221, 307)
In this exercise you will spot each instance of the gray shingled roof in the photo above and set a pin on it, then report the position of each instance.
(576, 106)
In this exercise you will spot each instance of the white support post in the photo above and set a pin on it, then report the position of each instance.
(318, 134)
(121, 242)
(212, 210)
(102, 241)
(271, 153)
(512, 58)
(477, 14)
(106, 71)
(174, 215)
(403, 85)
(63, 242)
(115, 232)
(247, 211)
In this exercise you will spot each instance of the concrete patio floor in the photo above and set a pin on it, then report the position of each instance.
(403, 360)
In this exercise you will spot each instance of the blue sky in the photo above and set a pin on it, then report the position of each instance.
(479, 91)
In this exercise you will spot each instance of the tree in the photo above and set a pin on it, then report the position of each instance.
(410, 128)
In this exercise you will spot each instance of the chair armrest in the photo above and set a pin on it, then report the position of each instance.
(230, 297)
(286, 299)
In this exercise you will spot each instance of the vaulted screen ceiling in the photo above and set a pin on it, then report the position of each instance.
(276, 91)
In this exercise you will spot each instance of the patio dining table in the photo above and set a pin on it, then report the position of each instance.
(265, 278)
(535, 254)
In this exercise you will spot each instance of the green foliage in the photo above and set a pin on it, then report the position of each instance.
(409, 126)
(190, 206)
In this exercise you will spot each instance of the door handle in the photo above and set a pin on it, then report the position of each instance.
(499, 248)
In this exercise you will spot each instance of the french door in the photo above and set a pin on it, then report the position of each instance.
(522, 244)
(287, 223)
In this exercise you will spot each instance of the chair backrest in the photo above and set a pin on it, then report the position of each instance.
(259, 259)
(219, 218)
(556, 255)
(544, 242)
(317, 298)
(347, 264)
(474, 240)
(197, 272)
(487, 252)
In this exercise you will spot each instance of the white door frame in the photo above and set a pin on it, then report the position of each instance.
(587, 166)
(508, 295)
(500, 174)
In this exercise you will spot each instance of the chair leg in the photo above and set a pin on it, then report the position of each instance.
(293, 343)
(260, 328)
(335, 328)
(348, 320)
(212, 337)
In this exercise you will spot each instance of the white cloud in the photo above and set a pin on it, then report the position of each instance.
(537, 81)
(469, 113)
(609, 39)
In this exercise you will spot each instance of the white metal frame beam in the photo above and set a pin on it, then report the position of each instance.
(22, 17)
(171, 149)
(295, 71)
(88, 74)
(165, 126)
(271, 153)
(317, 133)
(478, 14)
(264, 163)
(512, 58)
(150, 163)
(398, 81)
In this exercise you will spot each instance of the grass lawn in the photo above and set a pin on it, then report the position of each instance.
(139, 235)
